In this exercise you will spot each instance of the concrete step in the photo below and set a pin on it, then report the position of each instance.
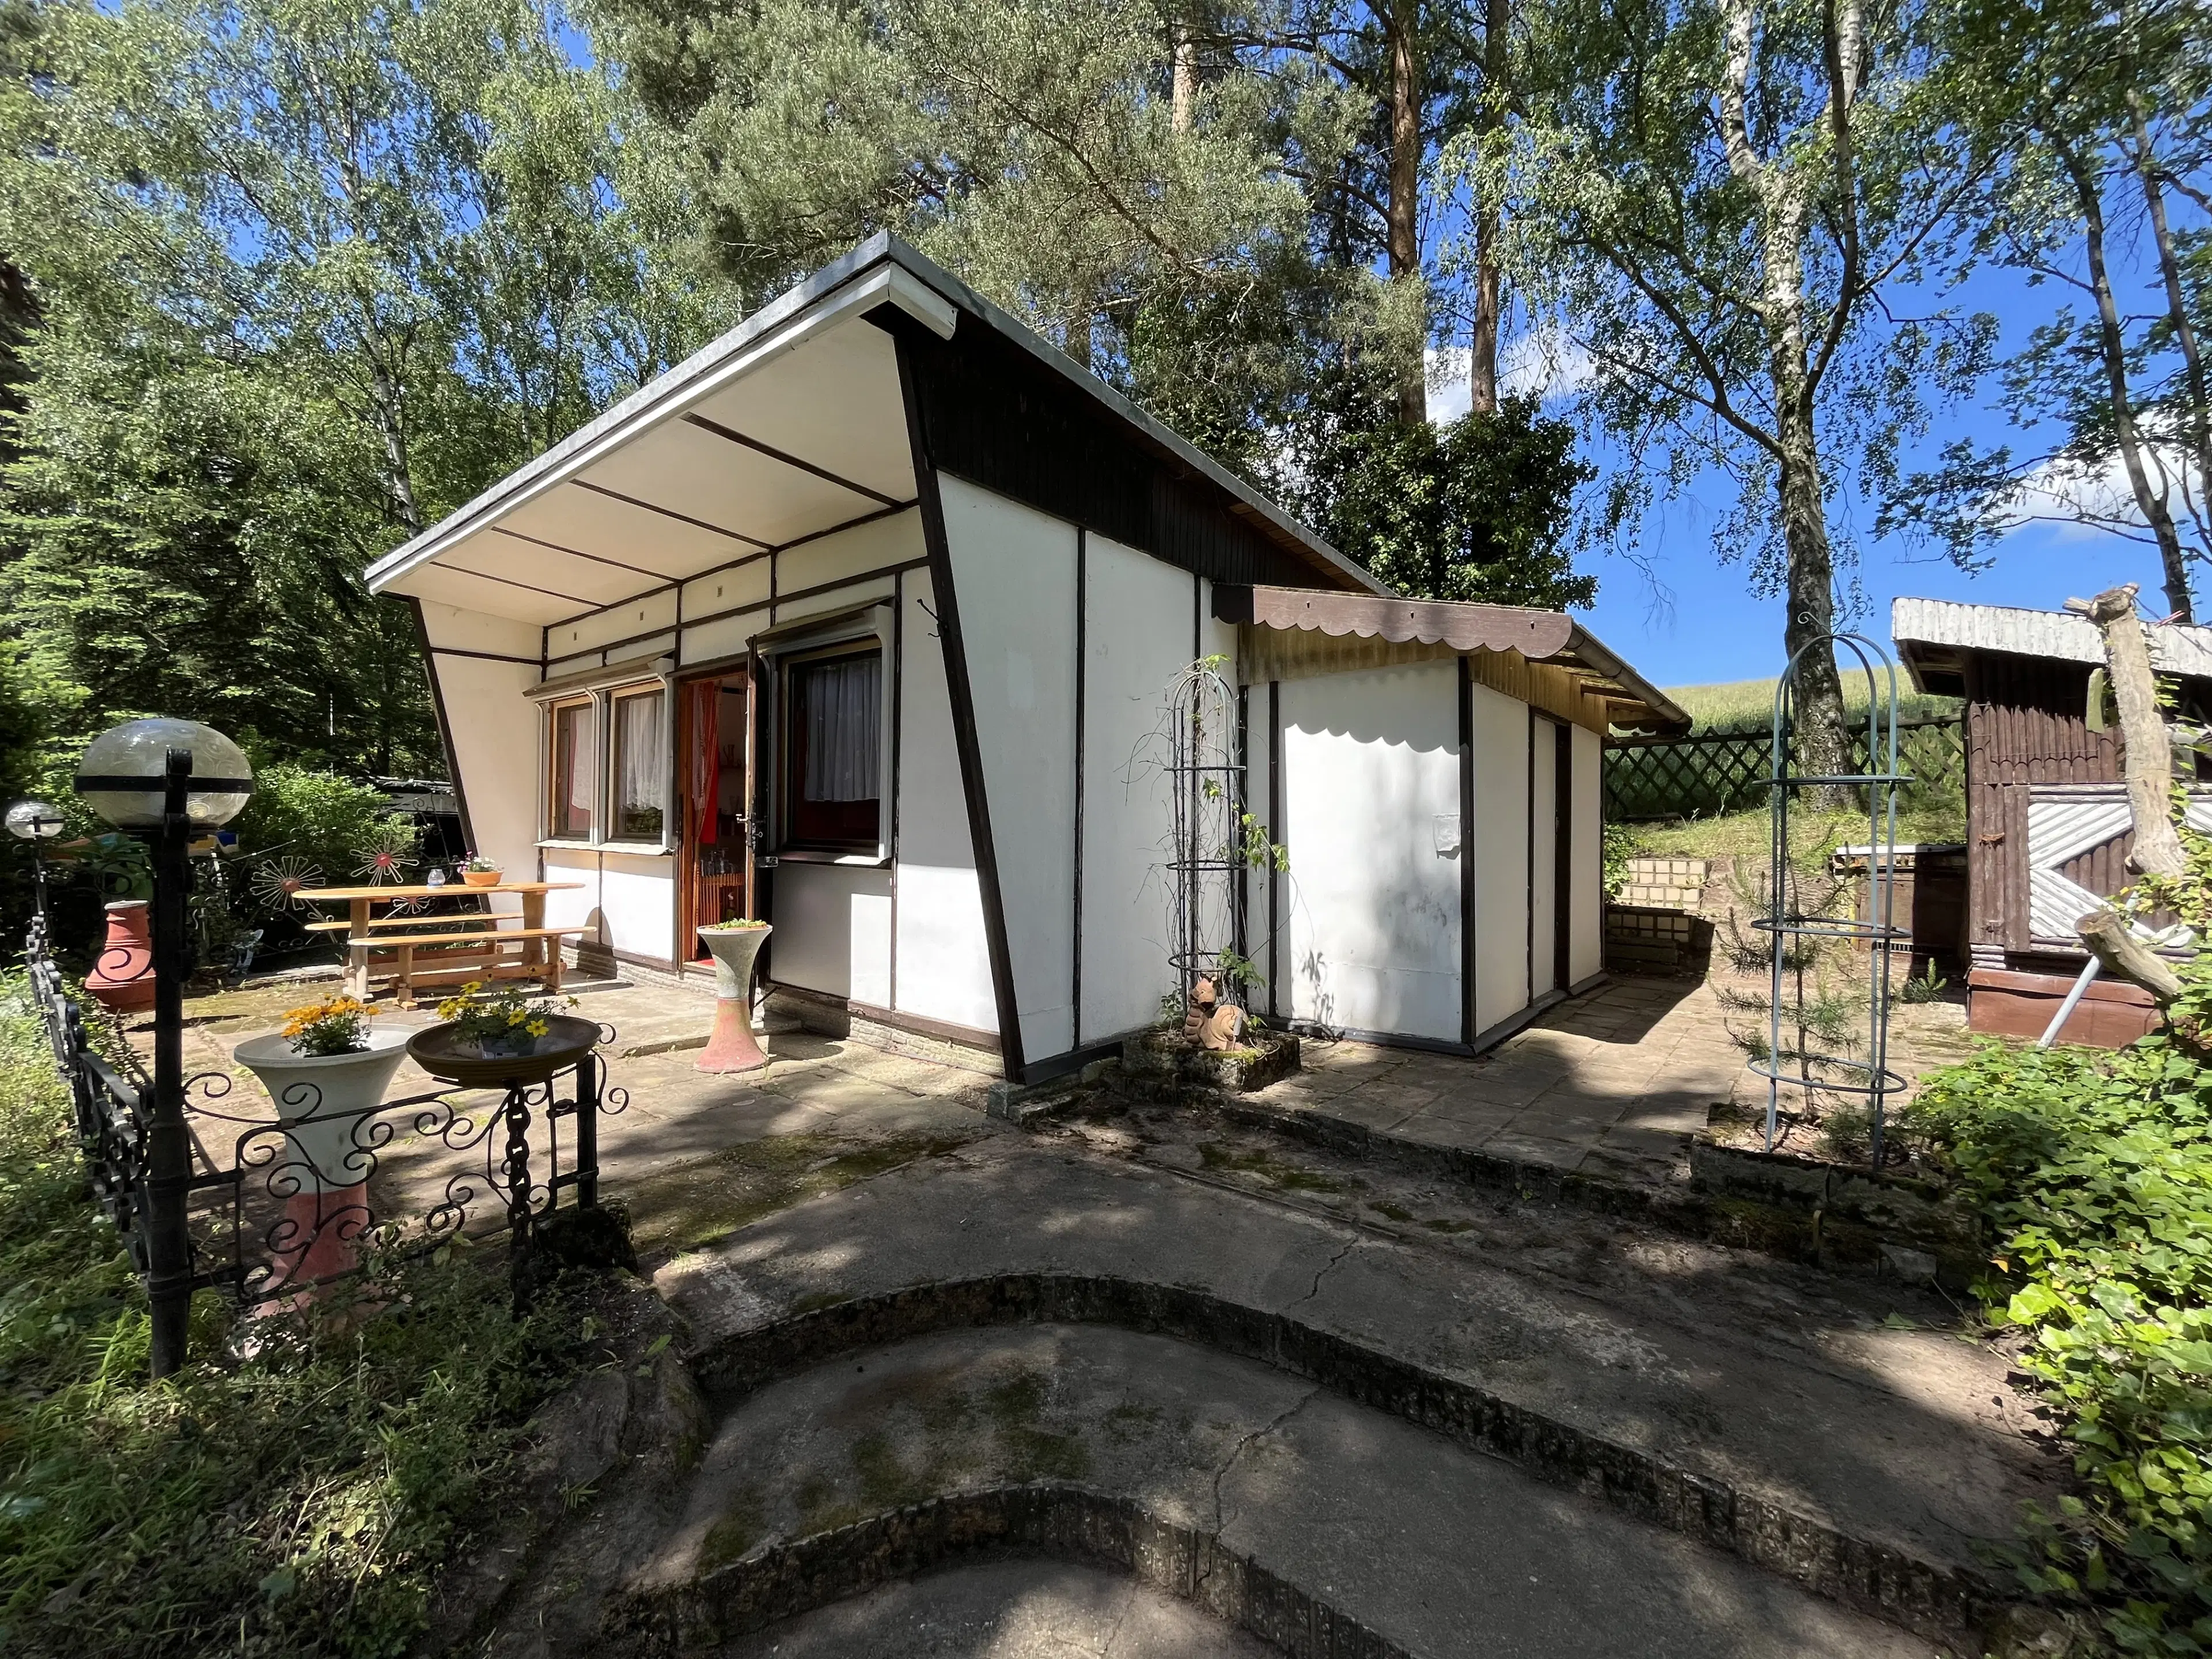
(1270, 1502)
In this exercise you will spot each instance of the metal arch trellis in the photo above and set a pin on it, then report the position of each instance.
(1795, 934)
(1207, 851)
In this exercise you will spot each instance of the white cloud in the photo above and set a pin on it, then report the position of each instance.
(1540, 364)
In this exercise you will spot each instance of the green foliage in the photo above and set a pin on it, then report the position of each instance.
(2094, 1172)
(1619, 847)
(316, 816)
(1476, 510)
(1748, 705)
(297, 1501)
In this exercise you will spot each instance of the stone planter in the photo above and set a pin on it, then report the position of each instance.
(732, 1047)
(122, 977)
(322, 1167)
(1162, 1065)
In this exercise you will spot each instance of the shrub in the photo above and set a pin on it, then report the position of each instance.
(2095, 1174)
(298, 1500)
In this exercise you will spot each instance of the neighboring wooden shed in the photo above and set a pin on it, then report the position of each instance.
(2047, 827)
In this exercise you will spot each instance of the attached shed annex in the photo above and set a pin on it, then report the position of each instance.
(2047, 826)
(854, 620)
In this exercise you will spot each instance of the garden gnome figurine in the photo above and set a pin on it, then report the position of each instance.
(1200, 1008)
(1222, 1029)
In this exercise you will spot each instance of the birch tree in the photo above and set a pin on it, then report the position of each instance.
(1709, 198)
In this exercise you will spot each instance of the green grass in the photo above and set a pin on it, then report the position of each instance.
(297, 1500)
(1749, 834)
(1748, 705)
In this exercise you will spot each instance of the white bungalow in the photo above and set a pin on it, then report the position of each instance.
(852, 622)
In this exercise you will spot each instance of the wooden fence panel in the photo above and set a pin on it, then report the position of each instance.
(1714, 773)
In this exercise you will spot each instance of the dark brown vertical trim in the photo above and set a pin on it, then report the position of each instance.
(1563, 853)
(774, 559)
(445, 724)
(1197, 616)
(1466, 1026)
(1276, 833)
(1082, 646)
(962, 697)
(898, 725)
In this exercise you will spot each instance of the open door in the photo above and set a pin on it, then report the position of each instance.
(716, 751)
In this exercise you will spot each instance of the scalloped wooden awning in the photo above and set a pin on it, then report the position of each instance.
(1597, 678)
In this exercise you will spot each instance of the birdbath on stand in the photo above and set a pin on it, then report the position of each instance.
(735, 947)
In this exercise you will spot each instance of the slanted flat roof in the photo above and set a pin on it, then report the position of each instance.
(788, 427)
(1540, 635)
(1935, 636)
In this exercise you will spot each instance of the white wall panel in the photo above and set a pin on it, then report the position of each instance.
(943, 957)
(638, 617)
(1586, 919)
(895, 540)
(494, 730)
(1014, 571)
(638, 894)
(1370, 761)
(577, 906)
(1543, 858)
(1500, 845)
(1132, 649)
(833, 930)
(837, 598)
(477, 630)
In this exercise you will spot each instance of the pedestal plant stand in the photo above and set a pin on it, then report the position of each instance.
(735, 947)
(322, 1167)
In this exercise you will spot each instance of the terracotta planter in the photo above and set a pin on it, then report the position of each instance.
(732, 1047)
(123, 978)
(482, 877)
(324, 1103)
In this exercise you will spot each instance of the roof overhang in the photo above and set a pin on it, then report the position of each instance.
(1631, 702)
(786, 429)
(1934, 638)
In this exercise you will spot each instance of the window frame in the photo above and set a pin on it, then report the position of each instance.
(555, 834)
(871, 625)
(789, 842)
(613, 697)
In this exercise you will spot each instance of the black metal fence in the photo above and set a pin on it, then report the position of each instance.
(1712, 772)
(271, 1211)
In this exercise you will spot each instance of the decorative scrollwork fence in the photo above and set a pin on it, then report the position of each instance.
(273, 1201)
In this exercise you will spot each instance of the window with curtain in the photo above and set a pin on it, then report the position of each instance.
(641, 765)
(833, 750)
(575, 764)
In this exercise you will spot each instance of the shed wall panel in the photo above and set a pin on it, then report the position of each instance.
(944, 959)
(495, 737)
(1128, 660)
(1014, 568)
(1500, 849)
(833, 930)
(1370, 763)
(1586, 921)
(1543, 858)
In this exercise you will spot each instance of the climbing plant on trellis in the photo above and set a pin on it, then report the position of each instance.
(1710, 773)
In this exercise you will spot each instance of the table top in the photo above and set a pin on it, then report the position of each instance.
(446, 891)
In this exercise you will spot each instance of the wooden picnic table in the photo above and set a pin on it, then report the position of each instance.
(540, 946)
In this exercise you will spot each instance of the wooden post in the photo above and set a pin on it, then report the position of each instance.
(2147, 753)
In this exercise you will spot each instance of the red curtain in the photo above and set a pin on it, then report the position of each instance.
(706, 757)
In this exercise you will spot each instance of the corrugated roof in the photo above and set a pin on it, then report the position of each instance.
(2174, 648)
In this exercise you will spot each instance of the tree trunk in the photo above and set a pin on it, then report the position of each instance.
(1482, 344)
(1823, 747)
(2113, 347)
(2147, 753)
(392, 430)
(2176, 302)
(1401, 20)
(1184, 106)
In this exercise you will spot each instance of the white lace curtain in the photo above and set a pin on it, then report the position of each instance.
(844, 718)
(642, 764)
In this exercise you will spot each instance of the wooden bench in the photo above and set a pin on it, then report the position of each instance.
(456, 965)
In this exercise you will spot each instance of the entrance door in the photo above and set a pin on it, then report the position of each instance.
(716, 748)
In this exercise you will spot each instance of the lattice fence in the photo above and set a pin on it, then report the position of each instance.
(1717, 772)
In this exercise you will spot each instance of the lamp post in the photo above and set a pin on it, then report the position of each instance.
(38, 823)
(166, 780)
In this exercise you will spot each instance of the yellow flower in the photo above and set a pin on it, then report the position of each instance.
(537, 1028)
